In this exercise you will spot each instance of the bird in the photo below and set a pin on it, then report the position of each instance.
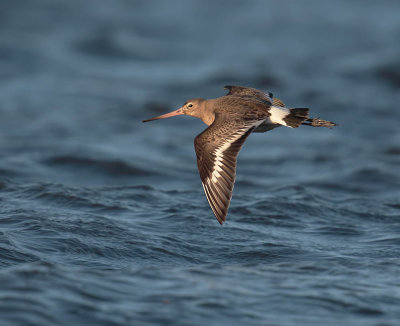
(230, 120)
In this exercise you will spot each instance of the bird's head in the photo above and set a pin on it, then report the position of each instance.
(191, 107)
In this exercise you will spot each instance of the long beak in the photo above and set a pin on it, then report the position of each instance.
(167, 115)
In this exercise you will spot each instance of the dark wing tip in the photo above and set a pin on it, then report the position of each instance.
(229, 88)
(220, 220)
(217, 199)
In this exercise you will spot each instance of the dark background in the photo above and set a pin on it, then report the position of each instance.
(103, 219)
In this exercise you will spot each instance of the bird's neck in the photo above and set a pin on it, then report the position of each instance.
(207, 113)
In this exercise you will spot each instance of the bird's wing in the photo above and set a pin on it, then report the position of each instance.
(248, 91)
(277, 102)
(252, 92)
(217, 148)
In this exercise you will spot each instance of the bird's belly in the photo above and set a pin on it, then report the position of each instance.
(267, 125)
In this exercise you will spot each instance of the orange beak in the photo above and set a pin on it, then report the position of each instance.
(167, 115)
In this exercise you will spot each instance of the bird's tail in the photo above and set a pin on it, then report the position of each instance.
(296, 117)
(299, 116)
(317, 122)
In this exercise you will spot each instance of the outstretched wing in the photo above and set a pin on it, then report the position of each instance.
(217, 149)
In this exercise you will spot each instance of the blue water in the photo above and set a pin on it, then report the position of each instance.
(103, 220)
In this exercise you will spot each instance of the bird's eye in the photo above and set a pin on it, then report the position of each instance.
(190, 105)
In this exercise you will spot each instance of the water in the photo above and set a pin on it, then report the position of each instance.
(103, 220)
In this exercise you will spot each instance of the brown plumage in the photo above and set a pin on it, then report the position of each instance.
(231, 119)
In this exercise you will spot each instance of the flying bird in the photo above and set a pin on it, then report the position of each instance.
(230, 120)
